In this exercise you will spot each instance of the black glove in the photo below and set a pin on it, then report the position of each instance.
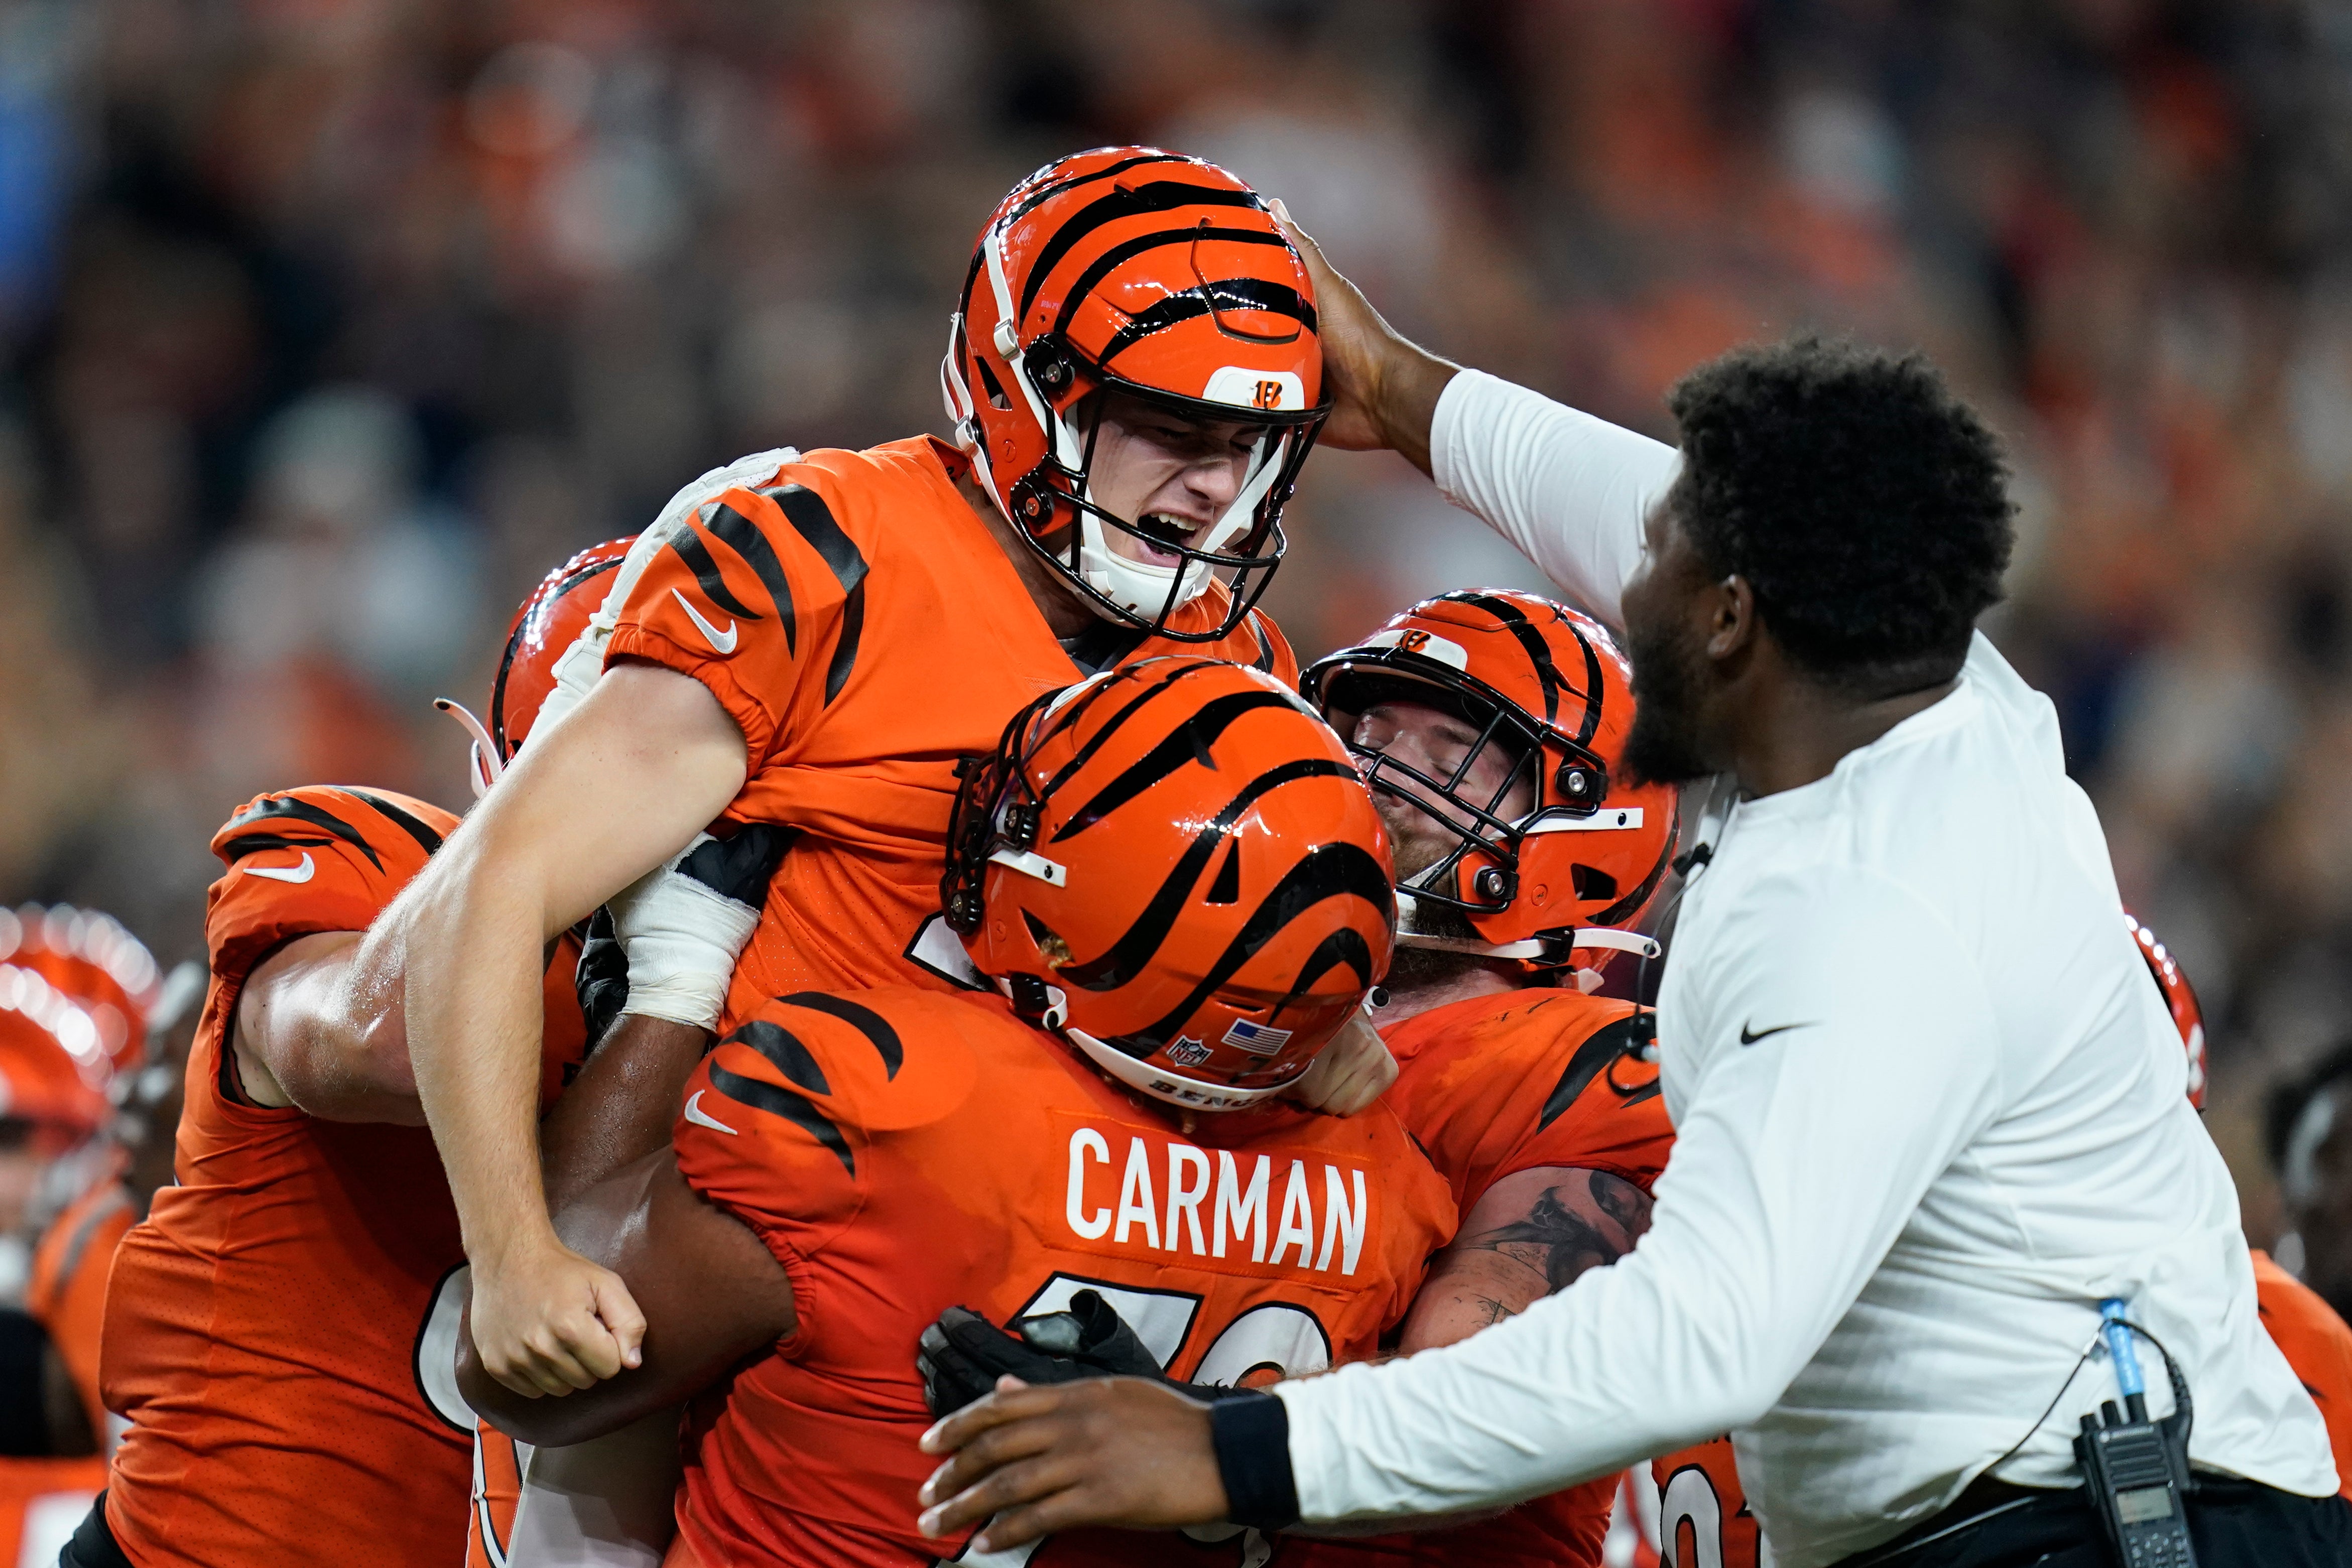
(962, 1354)
(602, 977)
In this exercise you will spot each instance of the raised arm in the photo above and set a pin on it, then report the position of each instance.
(1569, 490)
(603, 796)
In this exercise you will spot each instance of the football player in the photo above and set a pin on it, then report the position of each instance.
(42, 1498)
(1176, 891)
(50, 1457)
(1134, 378)
(277, 1327)
(1489, 725)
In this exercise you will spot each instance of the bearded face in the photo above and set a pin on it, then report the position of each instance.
(1663, 747)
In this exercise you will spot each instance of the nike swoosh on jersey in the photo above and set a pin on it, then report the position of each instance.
(1750, 1036)
(722, 641)
(294, 873)
(694, 1111)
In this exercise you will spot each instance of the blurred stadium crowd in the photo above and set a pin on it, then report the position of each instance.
(331, 324)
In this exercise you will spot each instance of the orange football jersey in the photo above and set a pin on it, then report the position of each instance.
(866, 629)
(903, 1151)
(2317, 1343)
(279, 1330)
(1491, 1086)
(69, 1286)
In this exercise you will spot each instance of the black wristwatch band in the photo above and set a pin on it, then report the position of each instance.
(1252, 1433)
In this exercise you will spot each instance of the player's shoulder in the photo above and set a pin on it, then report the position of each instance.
(1542, 1041)
(315, 858)
(382, 826)
(886, 1060)
(872, 495)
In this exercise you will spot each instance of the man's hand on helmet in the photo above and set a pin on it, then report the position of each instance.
(1384, 388)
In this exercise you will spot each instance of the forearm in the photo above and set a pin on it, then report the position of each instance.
(620, 1108)
(1797, 1163)
(471, 989)
(1569, 490)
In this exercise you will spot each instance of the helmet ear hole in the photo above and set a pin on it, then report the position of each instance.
(1591, 883)
(1227, 888)
(993, 387)
(1050, 944)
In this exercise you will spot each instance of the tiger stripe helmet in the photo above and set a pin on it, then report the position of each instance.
(1553, 885)
(544, 656)
(1174, 865)
(2179, 1001)
(1158, 276)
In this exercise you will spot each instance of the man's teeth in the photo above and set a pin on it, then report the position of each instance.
(1165, 529)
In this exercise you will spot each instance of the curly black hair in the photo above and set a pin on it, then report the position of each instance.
(1865, 505)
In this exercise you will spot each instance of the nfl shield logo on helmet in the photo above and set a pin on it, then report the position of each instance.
(1256, 1037)
(1188, 1052)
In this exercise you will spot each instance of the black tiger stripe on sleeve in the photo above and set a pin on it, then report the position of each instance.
(815, 522)
(427, 839)
(280, 812)
(865, 1020)
(758, 1094)
(696, 555)
(742, 535)
(1601, 1047)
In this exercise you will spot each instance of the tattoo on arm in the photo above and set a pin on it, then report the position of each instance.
(1573, 1227)
(1496, 1311)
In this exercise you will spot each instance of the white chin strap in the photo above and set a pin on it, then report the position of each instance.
(1147, 1078)
(1602, 937)
(1139, 587)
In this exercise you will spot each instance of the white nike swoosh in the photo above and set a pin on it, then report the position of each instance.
(303, 873)
(694, 1111)
(722, 641)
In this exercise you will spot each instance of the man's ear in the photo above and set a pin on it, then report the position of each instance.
(1731, 620)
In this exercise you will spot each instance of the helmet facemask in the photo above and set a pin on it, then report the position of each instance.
(1029, 413)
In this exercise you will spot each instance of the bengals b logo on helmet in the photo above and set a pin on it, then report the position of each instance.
(1175, 864)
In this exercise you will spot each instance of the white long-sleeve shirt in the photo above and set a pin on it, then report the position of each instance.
(1929, 1111)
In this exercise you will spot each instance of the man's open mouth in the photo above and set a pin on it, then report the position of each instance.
(1156, 529)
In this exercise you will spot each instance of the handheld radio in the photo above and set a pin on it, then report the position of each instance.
(2136, 1470)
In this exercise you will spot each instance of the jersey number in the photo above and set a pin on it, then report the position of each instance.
(436, 1351)
(1690, 1495)
(1272, 1337)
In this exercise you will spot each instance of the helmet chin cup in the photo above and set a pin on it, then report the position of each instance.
(1145, 1078)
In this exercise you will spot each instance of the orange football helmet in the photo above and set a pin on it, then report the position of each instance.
(544, 628)
(2179, 1000)
(1549, 686)
(94, 962)
(1162, 277)
(1174, 865)
(52, 1065)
